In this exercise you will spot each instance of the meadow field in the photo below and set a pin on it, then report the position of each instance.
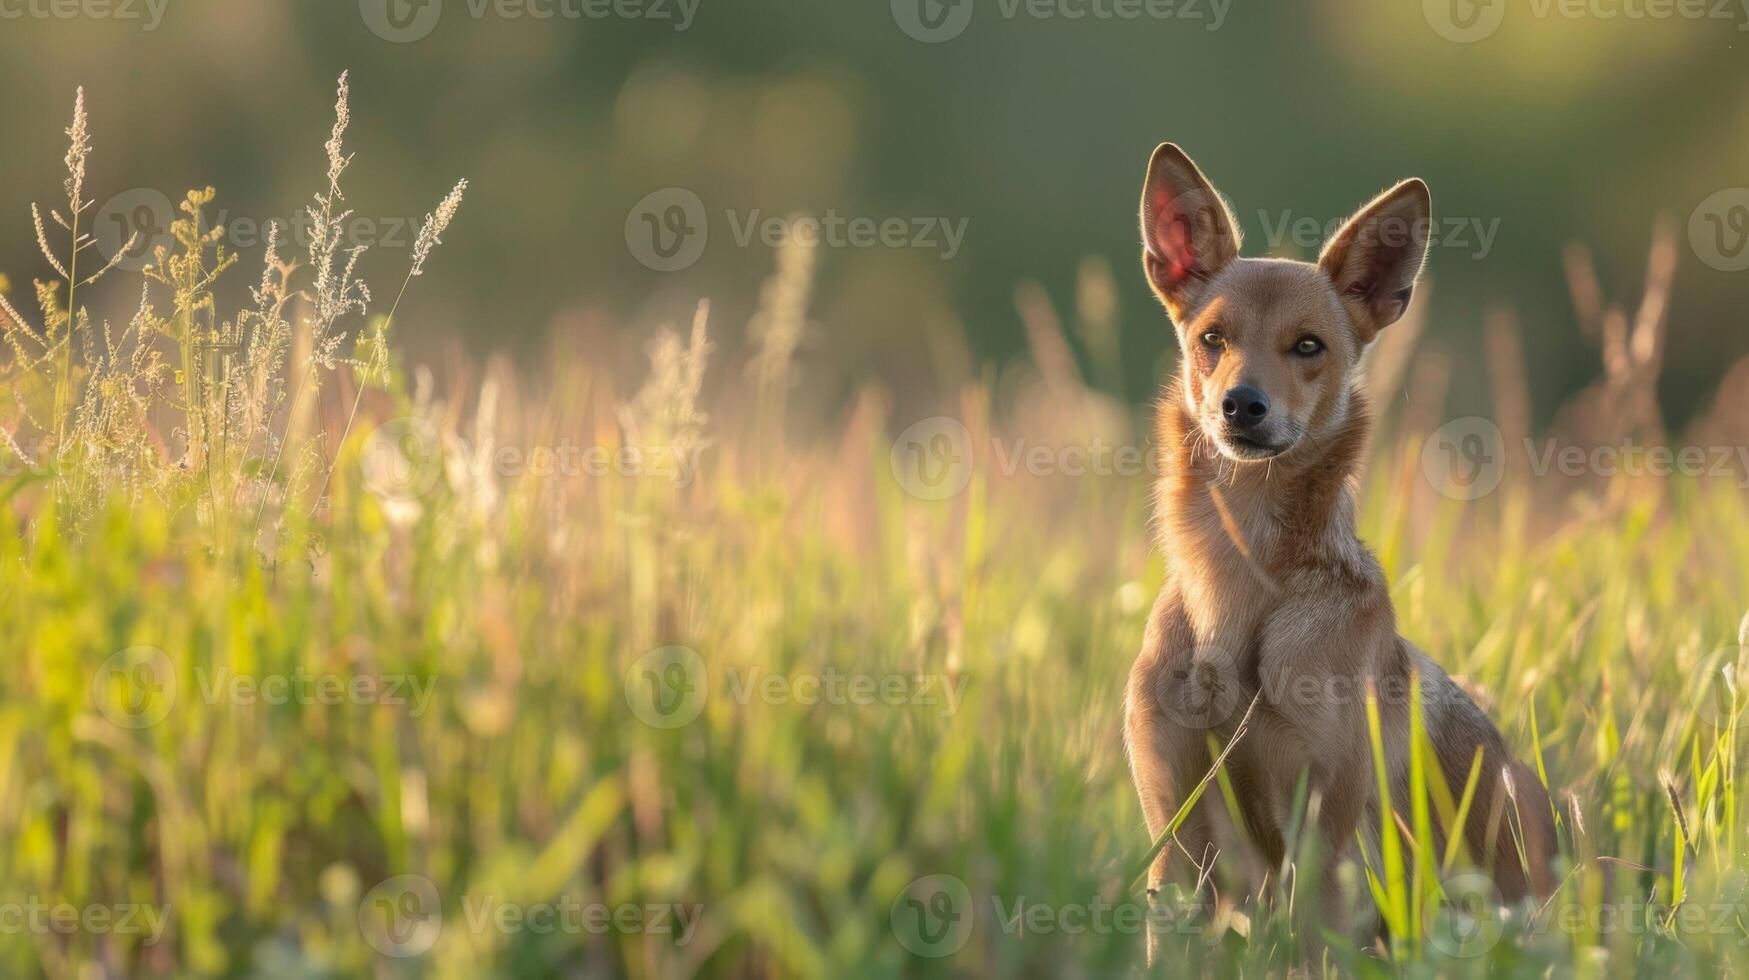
(325, 663)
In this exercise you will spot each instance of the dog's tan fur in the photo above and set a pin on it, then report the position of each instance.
(1269, 590)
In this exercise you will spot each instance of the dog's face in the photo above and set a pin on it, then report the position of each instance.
(1269, 347)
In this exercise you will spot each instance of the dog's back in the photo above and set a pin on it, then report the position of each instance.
(1510, 830)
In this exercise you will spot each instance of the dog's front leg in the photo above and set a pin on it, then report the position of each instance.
(1167, 709)
(1314, 663)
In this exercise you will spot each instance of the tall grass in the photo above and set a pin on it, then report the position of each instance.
(542, 612)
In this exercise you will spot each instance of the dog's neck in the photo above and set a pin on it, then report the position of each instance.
(1273, 515)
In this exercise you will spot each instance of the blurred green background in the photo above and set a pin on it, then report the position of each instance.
(1032, 129)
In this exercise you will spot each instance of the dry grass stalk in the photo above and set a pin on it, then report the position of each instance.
(101, 406)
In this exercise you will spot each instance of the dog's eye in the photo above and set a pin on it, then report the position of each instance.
(1308, 346)
(1213, 340)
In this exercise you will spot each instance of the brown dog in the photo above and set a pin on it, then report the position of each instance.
(1269, 593)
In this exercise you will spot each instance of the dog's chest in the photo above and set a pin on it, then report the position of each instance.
(1221, 553)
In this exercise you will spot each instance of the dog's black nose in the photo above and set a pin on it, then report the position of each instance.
(1244, 406)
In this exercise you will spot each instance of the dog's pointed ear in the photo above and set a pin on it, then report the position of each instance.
(1188, 234)
(1377, 256)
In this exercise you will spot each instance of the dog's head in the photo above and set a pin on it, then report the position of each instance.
(1270, 346)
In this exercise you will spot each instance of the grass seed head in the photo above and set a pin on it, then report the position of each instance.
(337, 158)
(78, 149)
(435, 223)
(1674, 795)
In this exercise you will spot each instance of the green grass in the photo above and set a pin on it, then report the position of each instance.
(841, 730)
(529, 777)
